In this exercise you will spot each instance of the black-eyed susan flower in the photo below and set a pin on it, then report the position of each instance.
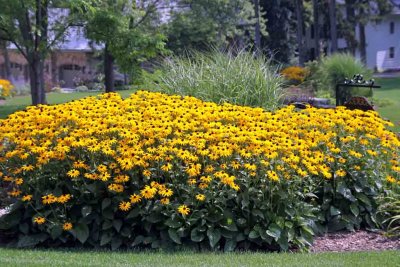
(27, 198)
(200, 197)
(73, 173)
(148, 192)
(49, 199)
(183, 209)
(134, 198)
(63, 198)
(165, 201)
(67, 226)
(124, 206)
(39, 220)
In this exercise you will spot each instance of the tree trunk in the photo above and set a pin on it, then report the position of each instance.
(300, 41)
(108, 70)
(257, 37)
(363, 44)
(7, 67)
(350, 17)
(316, 27)
(333, 26)
(36, 76)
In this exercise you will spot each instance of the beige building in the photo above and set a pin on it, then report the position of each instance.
(70, 64)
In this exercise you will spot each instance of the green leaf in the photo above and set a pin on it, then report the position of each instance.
(241, 222)
(230, 245)
(108, 214)
(345, 191)
(105, 203)
(56, 232)
(254, 234)
(155, 218)
(258, 213)
(133, 213)
(106, 238)
(116, 243)
(334, 211)
(364, 199)
(274, 231)
(138, 240)
(354, 209)
(126, 231)
(81, 232)
(86, 210)
(173, 222)
(174, 236)
(196, 235)
(31, 240)
(214, 235)
(117, 225)
(24, 228)
(107, 225)
(230, 227)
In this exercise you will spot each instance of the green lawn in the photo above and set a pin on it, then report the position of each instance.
(390, 91)
(14, 257)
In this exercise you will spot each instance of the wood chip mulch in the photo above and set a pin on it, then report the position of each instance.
(355, 241)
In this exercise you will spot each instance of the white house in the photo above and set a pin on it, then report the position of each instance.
(383, 42)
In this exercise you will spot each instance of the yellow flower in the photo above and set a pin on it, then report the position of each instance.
(191, 181)
(390, 179)
(203, 185)
(102, 168)
(166, 192)
(273, 175)
(64, 198)
(49, 199)
(73, 173)
(164, 201)
(39, 220)
(166, 167)
(135, 198)
(200, 197)
(183, 209)
(116, 188)
(67, 226)
(147, 173)
(125, 206)
(340, 173)
(148, 192)
(14, 193)
(27, 198)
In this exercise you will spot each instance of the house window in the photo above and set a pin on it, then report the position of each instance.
(392, 27)
(391, 52)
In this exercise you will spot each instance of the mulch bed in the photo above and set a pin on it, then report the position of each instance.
(355, 241)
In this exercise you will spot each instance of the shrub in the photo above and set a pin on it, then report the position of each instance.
(223, 77)
(155, 170)
(5, 88)
(295, 74)
(334, 69)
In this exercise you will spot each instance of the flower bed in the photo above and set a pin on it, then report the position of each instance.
(156, 170)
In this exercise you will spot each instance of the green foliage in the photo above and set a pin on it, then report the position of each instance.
(389, 209)
(204, 23)
(127, 30)
(223, 77)
(325, 74)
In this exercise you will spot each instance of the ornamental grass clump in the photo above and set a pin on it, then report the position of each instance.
(165, 171)
(237, 78)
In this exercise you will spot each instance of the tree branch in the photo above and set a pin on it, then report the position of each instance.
(149, 10)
